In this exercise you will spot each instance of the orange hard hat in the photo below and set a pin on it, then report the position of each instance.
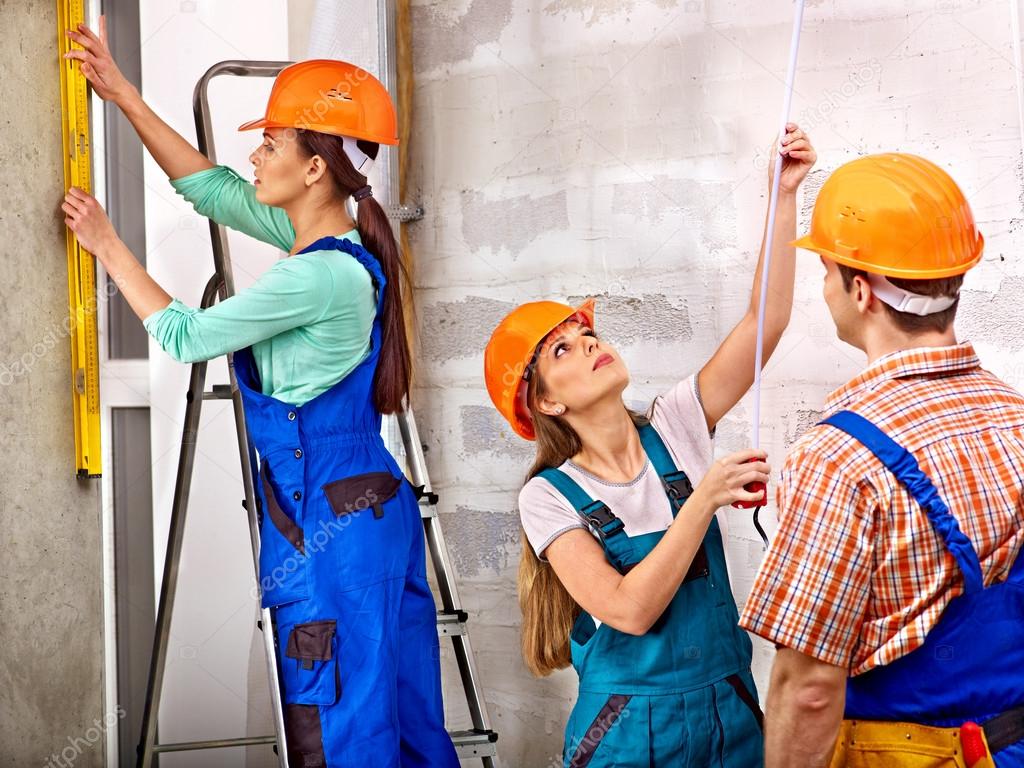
(333, 97)
(895, 215)
(509, 354)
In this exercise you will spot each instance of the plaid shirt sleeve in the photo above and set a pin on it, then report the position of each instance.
(812, 590)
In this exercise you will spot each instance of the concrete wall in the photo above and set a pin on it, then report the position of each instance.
(51, 667)
(565, 148)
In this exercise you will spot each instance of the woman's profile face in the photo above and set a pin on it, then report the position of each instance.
(279, 171)
(578, 369)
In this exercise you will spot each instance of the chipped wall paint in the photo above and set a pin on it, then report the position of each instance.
(569, 148)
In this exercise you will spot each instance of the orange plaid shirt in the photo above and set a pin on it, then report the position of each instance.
(855, 576)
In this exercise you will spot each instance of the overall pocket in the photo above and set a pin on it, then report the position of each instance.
(283, 576)
(367, 491)
(287, 527)
(601, 733)
(310, 670)
(367, 528)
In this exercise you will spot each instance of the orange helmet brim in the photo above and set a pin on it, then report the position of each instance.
(265, 123)
(258, 123)
(807, 243)
(804, 242)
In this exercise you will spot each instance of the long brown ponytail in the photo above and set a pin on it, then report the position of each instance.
(548, 609)
(392, 381)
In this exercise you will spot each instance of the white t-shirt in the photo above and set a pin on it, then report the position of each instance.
(641, 504)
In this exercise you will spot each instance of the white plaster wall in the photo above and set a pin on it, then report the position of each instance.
(616, 148)
(207, 691)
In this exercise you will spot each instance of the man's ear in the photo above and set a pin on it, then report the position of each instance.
(860, 291)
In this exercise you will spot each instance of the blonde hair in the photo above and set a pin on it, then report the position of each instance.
(548, 609)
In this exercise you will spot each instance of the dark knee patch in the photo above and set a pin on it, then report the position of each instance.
(305, 737)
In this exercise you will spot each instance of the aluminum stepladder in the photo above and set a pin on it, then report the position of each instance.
(475, 743)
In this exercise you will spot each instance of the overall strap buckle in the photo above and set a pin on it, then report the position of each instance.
(678, 488)
(602, 520)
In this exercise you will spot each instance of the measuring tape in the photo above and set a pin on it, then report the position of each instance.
(82, 304)
(773, 202)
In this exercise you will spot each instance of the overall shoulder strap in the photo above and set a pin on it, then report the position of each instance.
(1017, 569)
(904, 466)
(360, 254)
(675, 482)
(595, 513)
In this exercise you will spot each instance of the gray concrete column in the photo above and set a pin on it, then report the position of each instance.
(51, 617)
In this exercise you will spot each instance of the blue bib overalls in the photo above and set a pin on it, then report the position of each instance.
(971, 665)
(681, 694)
(342, 565)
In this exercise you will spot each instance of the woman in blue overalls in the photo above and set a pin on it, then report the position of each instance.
(342, 561)
(623, 573)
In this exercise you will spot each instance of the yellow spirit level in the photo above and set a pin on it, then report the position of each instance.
(82, 304)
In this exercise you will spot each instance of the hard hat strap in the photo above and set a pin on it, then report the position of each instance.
(904, 301)
(362, 162)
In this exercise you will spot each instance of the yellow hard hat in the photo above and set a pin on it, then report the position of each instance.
(896, 215)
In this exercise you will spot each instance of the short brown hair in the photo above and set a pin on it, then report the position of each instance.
(905, 321)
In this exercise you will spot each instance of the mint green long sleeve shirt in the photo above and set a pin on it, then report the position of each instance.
(308, 318)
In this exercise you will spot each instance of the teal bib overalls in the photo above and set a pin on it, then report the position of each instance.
(681, 694)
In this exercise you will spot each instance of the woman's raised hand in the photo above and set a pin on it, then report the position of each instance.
(798, 157)
(98, 65)
(723, 484)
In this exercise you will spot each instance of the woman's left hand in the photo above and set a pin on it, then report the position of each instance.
(87, 219)
(798, 157)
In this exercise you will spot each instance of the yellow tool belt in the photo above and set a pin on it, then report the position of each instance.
(871, 744)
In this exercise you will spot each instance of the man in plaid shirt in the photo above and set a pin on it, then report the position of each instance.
(869, 555)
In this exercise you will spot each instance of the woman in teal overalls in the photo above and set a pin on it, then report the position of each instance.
(321, 353)
(644, 613)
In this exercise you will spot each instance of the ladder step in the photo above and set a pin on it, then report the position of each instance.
(186, 746)
(427, 501)
(454, 623)
(475, 743)
(219, 392)
(467, 743)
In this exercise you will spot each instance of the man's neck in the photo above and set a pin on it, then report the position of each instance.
(881, 345)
